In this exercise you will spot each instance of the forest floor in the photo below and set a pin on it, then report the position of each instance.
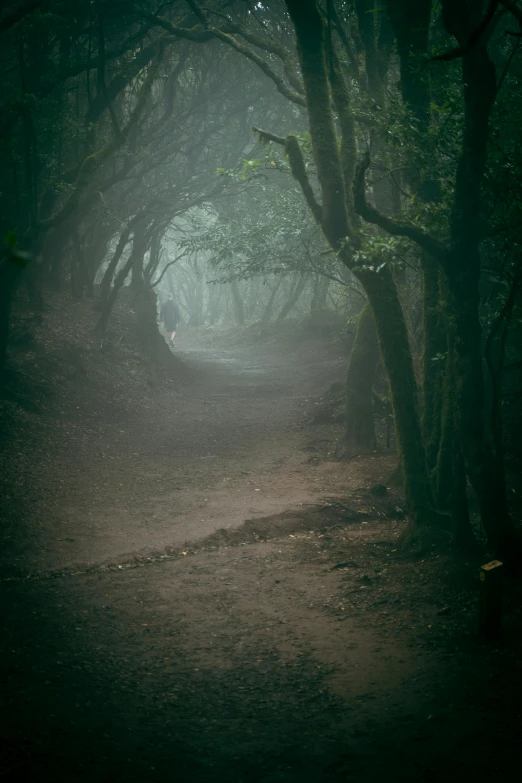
(194, 589)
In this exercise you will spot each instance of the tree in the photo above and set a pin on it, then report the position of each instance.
(392, 120)
(452, 441)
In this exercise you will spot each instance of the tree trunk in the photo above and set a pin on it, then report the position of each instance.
(252, 300)
(269, 309)
(295, 294)
(360, 428)
(134, 261)
(55, 246)
(434, 359)
(484, 469)
(396, 356)
(150, 338)
(332, 215)
(139, 248)
(155, 252)
(238, 303)
(320, 292)
(94, 255)
(105, 285)
(214, 299)
(463, 272)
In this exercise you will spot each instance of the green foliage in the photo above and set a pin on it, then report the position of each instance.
(376, 252)
(242, 246)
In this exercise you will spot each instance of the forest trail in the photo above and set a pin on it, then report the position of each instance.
(142, 645)
(224, 446)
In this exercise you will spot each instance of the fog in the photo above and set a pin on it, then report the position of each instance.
(260, 384)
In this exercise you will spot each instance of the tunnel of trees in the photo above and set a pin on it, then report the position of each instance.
(300, 156)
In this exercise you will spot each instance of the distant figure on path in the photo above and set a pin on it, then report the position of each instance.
(170, 315)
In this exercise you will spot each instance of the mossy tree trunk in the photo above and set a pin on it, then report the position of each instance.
(462, 411)
(410, 20)
(377, 39)
(155, 253)
(335, 168)
(463, 273)
(139, 248)
(434, 359)
(105, 285)
(150, 338)
(134, 265)
(397, 359)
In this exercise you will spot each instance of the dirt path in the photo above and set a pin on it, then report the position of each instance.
(300, 646)
(209, 453)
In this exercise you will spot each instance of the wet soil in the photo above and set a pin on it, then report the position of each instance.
(195, 590)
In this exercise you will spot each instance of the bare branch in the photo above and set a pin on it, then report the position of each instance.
(268, 136)
(267, 44)
(297, 167)
(201, 34)
(178, 258)
(198, 34)
(280, 84)
(272, 46)
(199, 12)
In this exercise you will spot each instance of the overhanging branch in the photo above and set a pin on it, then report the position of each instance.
(201, 34)
(178, 258)
(398, 228)
(332, 277)
(251, 55)
(93, 162)
(461, 51)
(297, 167)
(269, 136)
